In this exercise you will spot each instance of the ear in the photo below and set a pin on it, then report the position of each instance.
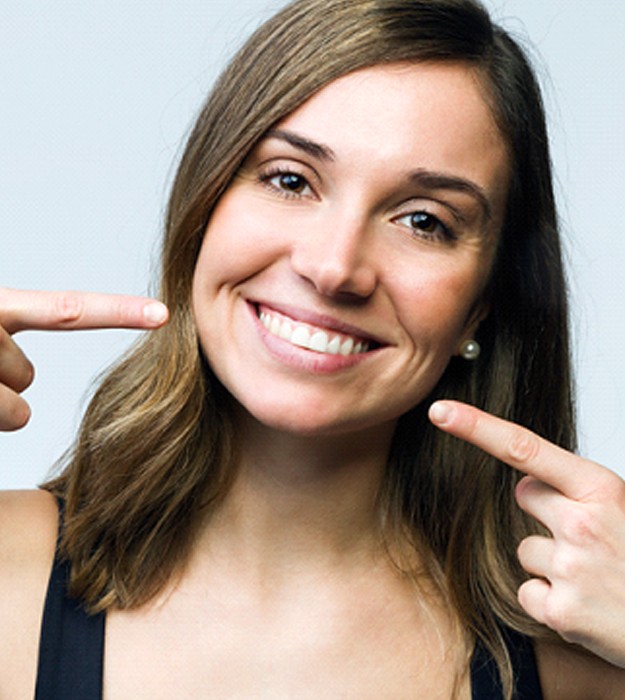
(477, 314)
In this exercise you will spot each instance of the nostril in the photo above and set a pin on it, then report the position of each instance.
(337, 265)
(332, 280)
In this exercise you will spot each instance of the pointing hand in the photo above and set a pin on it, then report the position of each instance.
(35, 310)
(577, 584)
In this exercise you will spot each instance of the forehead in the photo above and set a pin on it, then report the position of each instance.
(412, 115)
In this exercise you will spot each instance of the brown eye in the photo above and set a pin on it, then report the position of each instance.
(292, 182)
(425, 222)
(426, 226)
(287, 183)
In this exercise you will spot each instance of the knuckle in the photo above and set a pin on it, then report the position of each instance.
(68, 308)
(566, 565)
(560, 614)
(123, 313)
(473, 423)
(523, 446)
(559, 606)
(579, 526)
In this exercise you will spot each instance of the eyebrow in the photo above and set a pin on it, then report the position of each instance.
(442, 181)
(425, 178)
(316, 150)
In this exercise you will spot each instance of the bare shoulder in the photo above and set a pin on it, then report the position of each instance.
(570, 673)
(28, 531)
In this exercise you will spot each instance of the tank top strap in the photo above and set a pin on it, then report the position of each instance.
(71, 645)
(71, 650)
(485, 680)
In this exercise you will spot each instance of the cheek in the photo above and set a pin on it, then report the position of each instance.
(438, 303)
(237, 243)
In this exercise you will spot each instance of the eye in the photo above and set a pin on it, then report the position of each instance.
(427, 226)
(287, 183)
(291, 182)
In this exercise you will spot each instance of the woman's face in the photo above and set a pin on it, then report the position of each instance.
(346, 262)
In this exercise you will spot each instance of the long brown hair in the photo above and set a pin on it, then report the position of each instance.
(155, 447)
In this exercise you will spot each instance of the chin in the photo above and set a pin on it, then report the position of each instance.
(304, 419)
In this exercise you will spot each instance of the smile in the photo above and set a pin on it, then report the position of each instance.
(311, 337)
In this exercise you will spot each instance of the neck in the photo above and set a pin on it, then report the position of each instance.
(301, 501)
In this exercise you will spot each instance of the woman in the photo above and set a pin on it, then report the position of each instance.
(267, 497)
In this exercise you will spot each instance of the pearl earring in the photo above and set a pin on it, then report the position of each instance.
(470, 349)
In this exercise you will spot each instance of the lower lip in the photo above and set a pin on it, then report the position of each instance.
(302, 358)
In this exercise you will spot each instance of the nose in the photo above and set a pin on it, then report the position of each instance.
(335, 255)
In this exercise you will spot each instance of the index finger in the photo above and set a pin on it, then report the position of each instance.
(520, 448)
(36, 310)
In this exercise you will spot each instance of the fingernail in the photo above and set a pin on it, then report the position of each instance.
(155, 312)
(440, 412)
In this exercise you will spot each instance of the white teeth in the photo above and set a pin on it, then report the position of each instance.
(274, 327)
(347, 347)
(316, 340)
(334, 346)
(300, 336)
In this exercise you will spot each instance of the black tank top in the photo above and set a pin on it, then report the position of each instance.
(71, 653)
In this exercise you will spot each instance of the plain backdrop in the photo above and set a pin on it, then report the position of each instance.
(96, 101)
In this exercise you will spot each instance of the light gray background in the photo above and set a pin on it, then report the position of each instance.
(96, 99)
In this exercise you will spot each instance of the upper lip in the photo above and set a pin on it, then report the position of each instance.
(321, 320)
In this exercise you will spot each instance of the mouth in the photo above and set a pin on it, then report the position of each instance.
(318, 339)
